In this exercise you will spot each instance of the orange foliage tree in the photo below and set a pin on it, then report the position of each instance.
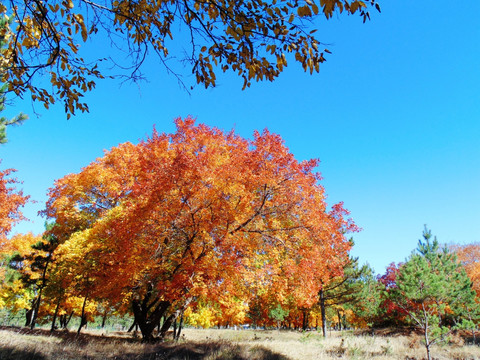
(198, 213)
(11, 200)
(469, 257)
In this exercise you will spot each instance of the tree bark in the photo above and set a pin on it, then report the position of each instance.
(180, 326)
(55, 315)
(39, 297)
(104, 318)
(28, 315)
(147, 316)
(322, 310)
(83, 317)
(339, 320)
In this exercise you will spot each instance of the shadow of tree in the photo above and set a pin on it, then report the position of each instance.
(11, 353)
(211, 349)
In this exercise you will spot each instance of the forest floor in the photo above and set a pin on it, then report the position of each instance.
(39, 344)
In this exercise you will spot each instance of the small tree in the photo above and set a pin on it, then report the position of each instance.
(433, 289)
(342, 290)
(278, 314)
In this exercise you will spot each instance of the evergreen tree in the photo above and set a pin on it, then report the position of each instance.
(434, 290)
(4, 122)
(342, 290)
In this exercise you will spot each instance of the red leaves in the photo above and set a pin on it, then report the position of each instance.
(204, 212)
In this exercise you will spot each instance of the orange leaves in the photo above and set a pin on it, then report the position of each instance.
(204, 213)
(469, 257)
(11, 200)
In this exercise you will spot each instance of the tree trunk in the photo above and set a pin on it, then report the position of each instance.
(322, 310)
(39, 297)
(339, 320)
(175, 328)
(104, 318)
(166, 325)
(83, 317)
(28, 315)
(133, 325)
(147, 316)
(180, 325)
(55, 315)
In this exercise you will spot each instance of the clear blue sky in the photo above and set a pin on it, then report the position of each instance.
(393, 116)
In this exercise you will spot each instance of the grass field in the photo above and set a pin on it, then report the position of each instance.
(212, 344)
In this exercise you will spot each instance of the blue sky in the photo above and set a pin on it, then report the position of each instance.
(393, 116)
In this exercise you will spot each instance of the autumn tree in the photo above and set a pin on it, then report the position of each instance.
(432, 287)
(11, 201)
(253, 39)
(469, 257)
(16, 291)
(197, 213)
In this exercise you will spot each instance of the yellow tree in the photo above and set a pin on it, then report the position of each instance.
(251, 38)
(185, 214)
(18, 284)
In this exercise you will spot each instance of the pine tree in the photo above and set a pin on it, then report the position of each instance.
(4, 122)
(434, 290)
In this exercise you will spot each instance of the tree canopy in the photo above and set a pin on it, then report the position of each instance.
(251, 38)
(198, 213)
(11, 201)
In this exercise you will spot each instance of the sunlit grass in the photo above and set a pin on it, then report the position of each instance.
(213, 344)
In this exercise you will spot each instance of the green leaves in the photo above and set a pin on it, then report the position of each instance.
(434, 290)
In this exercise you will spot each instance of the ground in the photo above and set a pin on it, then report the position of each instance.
(22, 344)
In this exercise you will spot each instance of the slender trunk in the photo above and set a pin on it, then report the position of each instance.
(425, 333)
(175, 328)
(133, 325)
(67, 321)
(39, 298)
(28, 315)
(322, 310)
(83, 317)
(166, 325)
(339, 320)
(104, 318)
(180, 325)
(55, 315)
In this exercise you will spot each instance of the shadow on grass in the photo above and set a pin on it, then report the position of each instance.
(71, 342)
(10, 353)
(212, 350)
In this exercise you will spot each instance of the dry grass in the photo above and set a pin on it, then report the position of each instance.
(21, 344)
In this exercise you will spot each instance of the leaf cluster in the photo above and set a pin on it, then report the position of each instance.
(250, 38)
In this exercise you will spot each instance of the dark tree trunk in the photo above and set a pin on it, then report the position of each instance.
(28, 315)
(104, 318)
(322, 310)
(175, 328)
(148, 315)
(180, 325)
(133, 325)
(83, 317)
(39, 297)
(339, 320)
(166, 325)
(35, 311)
(55, 315)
